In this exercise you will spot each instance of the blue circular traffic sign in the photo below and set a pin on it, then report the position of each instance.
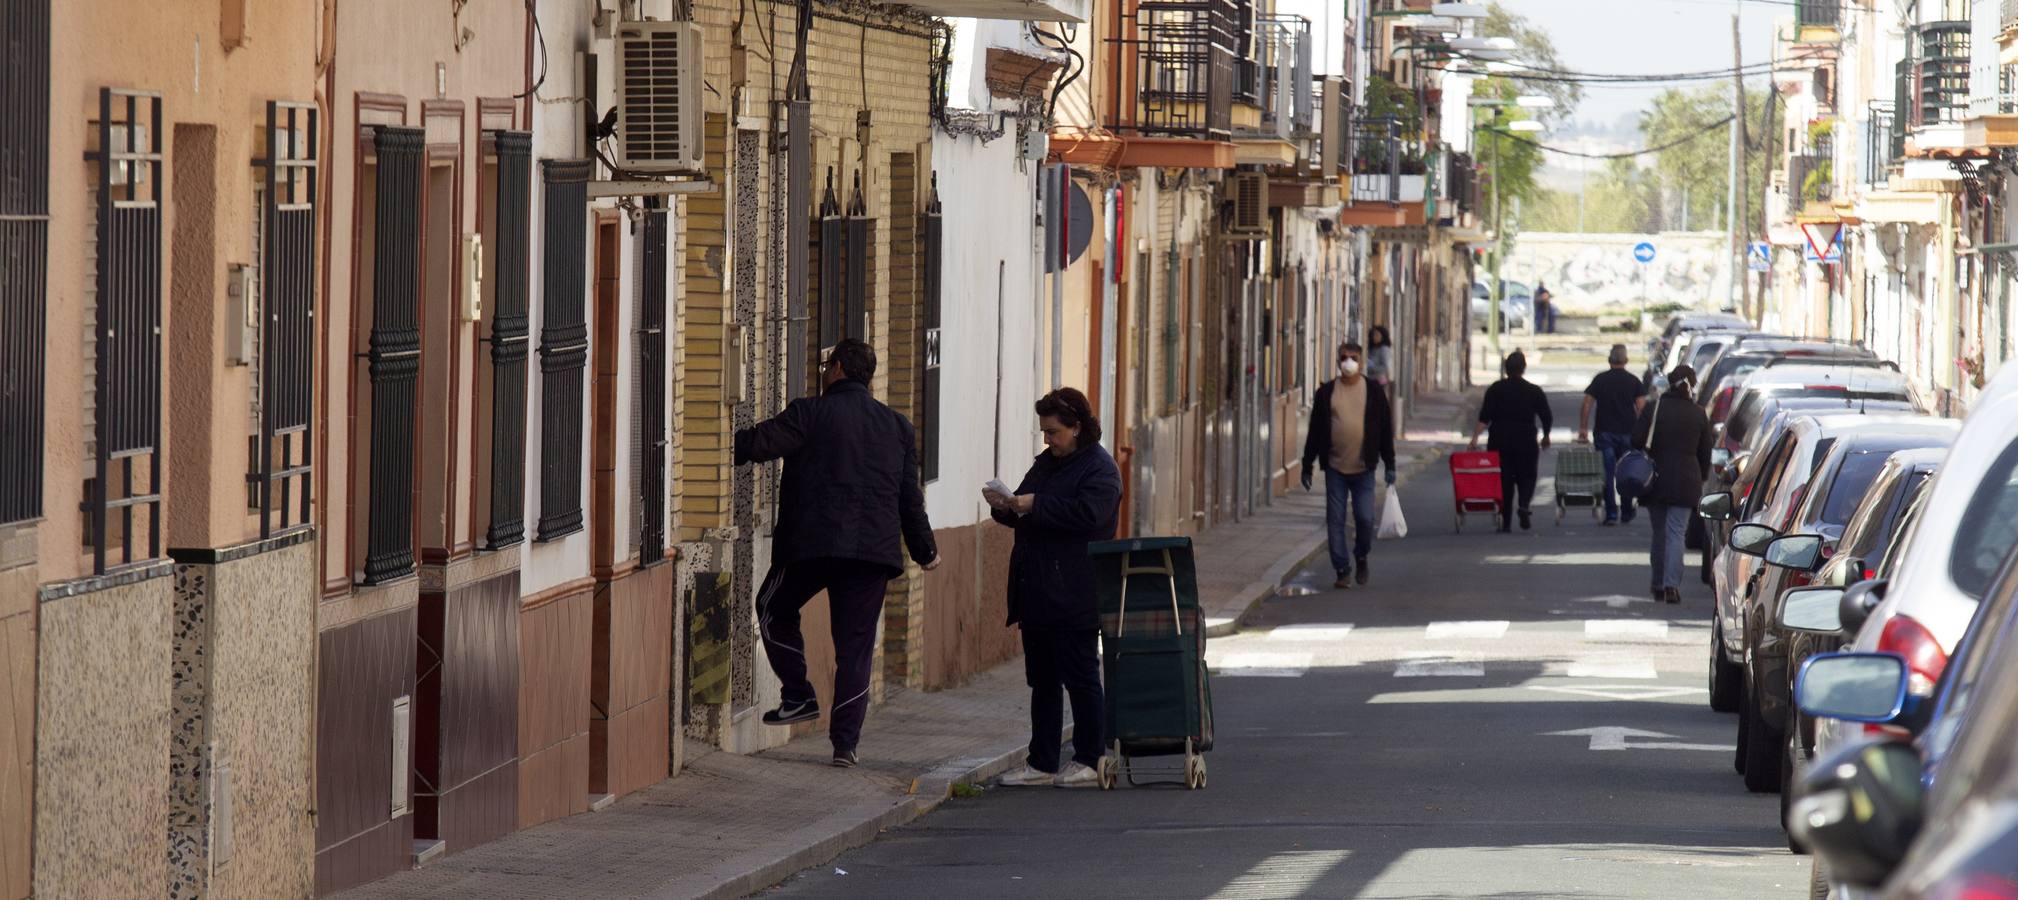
(1644, 251)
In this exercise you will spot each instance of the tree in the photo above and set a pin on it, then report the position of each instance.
(1536, 52)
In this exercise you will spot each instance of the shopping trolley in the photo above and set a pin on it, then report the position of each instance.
(1474, 481)
(1152, 642)
(1580, 480)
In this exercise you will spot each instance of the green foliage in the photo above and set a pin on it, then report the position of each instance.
(1817, 185)
(965, 791)
(1515, 159)
(1536, 51)
(1387, 100)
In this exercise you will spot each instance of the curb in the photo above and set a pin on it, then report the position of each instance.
(928, 791)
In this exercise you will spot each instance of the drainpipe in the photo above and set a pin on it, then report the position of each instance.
(1950, 311)
(1108, 319)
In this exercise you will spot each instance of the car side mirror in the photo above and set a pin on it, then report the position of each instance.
(1853, 687)
(1720, 459)
(1858, 601)
(1715, 507)
(1859, 809)
(1814, 610)
(1751, 538)
(1800, 552)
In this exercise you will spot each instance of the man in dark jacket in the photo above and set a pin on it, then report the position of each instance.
(1351, 431)
(850, 489)
(1510, 409)
(1675, 432)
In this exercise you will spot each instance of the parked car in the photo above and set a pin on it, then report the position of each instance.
(1937, 817)
(1866, 550)
(1970, 520)
(1852, 382)
(1660, 345)
(1792, 554)
(1743, 357)
(1481, 308)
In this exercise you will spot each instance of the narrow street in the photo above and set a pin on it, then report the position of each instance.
(1494, 716)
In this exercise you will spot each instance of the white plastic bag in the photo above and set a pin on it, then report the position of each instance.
(1392, 525)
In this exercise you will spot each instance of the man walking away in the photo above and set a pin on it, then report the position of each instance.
(1616, 396)
(1511, 407)
(1675, 432)
(1351, 430)
(850, 488)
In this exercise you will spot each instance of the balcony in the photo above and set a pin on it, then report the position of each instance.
(1881, 145)
(1993, 118)
(1277, 80)
(1818, 21)
(1388, 175)
(1172, 103)
(1810, 182)
(1940, 73)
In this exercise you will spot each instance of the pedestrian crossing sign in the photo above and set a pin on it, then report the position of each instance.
(1759, 257)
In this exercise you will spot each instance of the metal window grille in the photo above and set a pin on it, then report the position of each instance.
(393, 353)
(564, 347)
(1186, 67)
(126, 437)
(653, 439)
(861, 233)
(929, 230)
(287, 301)
(509, 335)
(24, 251)
(833, 264)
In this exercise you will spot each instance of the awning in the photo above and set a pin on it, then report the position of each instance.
(1009, 10)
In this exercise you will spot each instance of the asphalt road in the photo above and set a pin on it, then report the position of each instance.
(1442, 732)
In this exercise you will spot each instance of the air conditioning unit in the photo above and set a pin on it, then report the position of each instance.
(1249, 193)
(659, 98)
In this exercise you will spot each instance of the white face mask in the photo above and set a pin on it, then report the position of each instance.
(1348, 367)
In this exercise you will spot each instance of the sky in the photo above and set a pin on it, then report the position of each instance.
(1647, 36)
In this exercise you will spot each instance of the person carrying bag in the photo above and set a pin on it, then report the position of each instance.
(1669, 462)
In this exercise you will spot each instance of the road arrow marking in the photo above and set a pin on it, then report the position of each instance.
(1610, 667)
(1613, 737)
(1622, 691)
(1441, 665)
(1625, 630)
(1615, 601)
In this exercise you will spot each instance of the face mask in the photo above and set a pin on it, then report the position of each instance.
(1348, 368)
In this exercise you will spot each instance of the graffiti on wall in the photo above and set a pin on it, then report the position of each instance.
(1595, 273)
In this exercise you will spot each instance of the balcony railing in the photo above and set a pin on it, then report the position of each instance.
(1461, 183)
(1281, 75)
(1184, 65)
(1381, 157)
(2005, 101)
(1820, 13)
(1940, 73)
(1810, 179)
(1880, 148)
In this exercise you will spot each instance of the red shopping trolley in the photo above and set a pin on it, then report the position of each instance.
(1474, 480)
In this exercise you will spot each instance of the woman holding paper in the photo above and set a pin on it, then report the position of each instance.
(1070, 497)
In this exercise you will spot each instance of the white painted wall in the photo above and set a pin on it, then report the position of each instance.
(988, 198)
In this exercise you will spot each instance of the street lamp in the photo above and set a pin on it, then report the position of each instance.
(1458, 10)
(1527, 126)
(1499, 107)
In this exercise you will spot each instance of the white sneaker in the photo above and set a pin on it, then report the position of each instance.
(1076, 775)
(1028, 777)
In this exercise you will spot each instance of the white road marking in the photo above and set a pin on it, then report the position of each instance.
(1479, 629)
(1615, 601)
(1594, 558)
(1625, 630)
(1309, 632)
(1621, 691)
(1282, 876)
(1612, 737)
(1264, 665)
(1610, 667)
(1441, 665)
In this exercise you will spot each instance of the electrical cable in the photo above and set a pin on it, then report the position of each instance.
(1695, 134)
(542, 36)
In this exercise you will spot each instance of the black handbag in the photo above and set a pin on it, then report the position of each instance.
(1634, 473)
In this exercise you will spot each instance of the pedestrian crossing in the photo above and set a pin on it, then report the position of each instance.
(1609, 649)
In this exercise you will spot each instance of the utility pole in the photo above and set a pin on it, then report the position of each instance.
(1498, 241)
(1731, 255)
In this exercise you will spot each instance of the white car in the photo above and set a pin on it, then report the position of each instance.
(1966, 526)
(1481, 307)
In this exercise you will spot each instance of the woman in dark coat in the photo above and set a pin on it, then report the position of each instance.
(1070, 498)
(1675, 433)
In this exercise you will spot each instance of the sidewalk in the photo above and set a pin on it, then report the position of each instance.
(730, 825)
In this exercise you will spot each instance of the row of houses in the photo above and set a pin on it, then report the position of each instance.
(368, 368)
(1899, 132)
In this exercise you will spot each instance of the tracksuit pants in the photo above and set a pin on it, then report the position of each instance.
(855, 606)
(1067, 662)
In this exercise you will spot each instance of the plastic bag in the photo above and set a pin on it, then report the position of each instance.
(1392, 525)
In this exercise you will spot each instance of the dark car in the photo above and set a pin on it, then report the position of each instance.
(1718, 387)
(1937, 817)
(1835, 492)
(1773, 406)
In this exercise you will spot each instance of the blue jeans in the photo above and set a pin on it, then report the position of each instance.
(1340, 489)
(1611, 447)
(1670, 524)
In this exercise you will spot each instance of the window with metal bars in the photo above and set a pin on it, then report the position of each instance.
(509, 335)
(122, 502)
(651, 396)
(392, 354)
(564, 346)
(844, 265)
(24, 252)
(287, 298)
(929, 230)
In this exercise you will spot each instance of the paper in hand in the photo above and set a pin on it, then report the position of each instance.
(996, 485)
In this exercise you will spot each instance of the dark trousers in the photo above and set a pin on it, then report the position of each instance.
(855, 605)
(1517, 474)
(1611, 447)
(1067, 660)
